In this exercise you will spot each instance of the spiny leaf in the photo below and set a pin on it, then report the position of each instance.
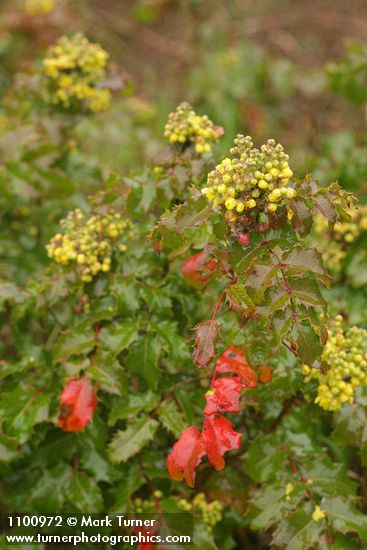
(239, 299)
(298, 530)
(127, 443)
(171, 417)
(307, 292)
(302, 217)
(309, 347)
(344, 516)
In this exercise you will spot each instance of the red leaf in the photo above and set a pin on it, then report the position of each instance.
(234, 360)
(196, 270)
(230, 355)
(224, 396)
(206, 336)
(218, 437)
(186, 454)
(265, 374)
(78, 402)
(144, 534)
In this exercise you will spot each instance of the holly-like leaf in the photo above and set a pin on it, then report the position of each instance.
(132, 405)
(224, 396)
(206, 336)
(219, 437)
(298, 530)
(344, 516)
(301, 260)
(127, 443)
(21, 409)
(302, 217)
(239, 299)
(85, 494)
(185, 456)
(143, 359)
(169, 232)
(74, 342)
(307, 292)
(171, 417)
(309, 347)
(115, 339)
(78, 403)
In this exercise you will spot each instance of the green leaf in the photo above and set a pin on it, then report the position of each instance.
(132, 480)
(301, 260)
(109, 374)
(307, 292)
(127, 443)
(309, 347)
(132, 405)
(21, 409)
(85, 494)
(265, 458)
(171, 417)
(143, 359)
(302, 217)
(48, 493)
(299, 531)
(73, 342)
(344, 516)
(8, 448)
(169, 233)
(239, 299)
(268, 507)
(115, 339)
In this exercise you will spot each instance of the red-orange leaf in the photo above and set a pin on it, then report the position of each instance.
(197, 269)
(265, 374)
(206, 335)
(78, 402)
(186, 454)
(224, 396)
(218, 437)
(234, 360)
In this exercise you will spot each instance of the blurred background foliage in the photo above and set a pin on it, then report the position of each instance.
(296, 72)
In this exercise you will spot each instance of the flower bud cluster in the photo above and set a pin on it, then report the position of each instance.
(342, 234)
(185, 126)
(76, 69)
(210, 513)
(89, 244)
(346, 358)
(251, 178)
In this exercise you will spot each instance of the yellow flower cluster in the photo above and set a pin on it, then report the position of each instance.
(333, 243)
(346, 358)
(185, 126)
(251, 178)
(76, 69)
(89, 244)
(209, 512)
(39, 7)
